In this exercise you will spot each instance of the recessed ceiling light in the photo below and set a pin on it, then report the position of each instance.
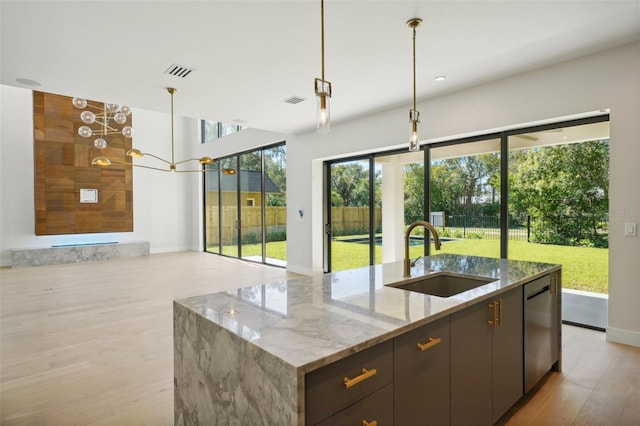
(440, 78)
(28, 82)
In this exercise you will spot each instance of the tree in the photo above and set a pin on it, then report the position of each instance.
(275, 165)
(566, 186)
(350, 186)
(413, 192)
(467, 185)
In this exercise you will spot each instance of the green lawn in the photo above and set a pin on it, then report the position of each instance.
(583, 268)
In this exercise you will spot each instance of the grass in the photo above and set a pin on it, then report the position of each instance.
(583, 268)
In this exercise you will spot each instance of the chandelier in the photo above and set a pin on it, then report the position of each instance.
(107, 117)
(170, 166)
(414, 114)
(322, 87)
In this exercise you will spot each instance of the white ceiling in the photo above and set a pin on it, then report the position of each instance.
(251, 55)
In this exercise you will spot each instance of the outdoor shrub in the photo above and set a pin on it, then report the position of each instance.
(250, 238)
(475, 235)
(276, 236)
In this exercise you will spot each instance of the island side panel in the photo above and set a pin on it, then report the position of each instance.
(222, 379)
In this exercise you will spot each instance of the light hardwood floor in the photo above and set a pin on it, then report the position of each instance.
(92, 343)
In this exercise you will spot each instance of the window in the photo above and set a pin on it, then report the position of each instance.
(212, 130)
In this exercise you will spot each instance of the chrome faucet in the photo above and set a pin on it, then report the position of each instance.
(436, 241)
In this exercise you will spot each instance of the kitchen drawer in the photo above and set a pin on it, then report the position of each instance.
(375, 409)
(326, 391)
(421, 375)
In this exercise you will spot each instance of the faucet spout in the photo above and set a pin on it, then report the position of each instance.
(436, 241)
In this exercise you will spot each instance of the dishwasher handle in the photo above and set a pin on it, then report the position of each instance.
(539, 292)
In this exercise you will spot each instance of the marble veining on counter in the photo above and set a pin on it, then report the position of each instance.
(258, 342)
(308, 321)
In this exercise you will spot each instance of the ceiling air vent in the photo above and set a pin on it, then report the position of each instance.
(179, 70)
(293, 100)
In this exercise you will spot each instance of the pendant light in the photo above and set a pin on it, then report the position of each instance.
(169, 165)
(322, 87)
(414, 114)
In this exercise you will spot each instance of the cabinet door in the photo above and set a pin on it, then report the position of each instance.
(507, 355)
(471, 366)
(367, 371)
(556, 315)
(376, 409)
(421, 375)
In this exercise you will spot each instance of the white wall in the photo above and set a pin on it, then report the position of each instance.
(167, 207)
(609, 80)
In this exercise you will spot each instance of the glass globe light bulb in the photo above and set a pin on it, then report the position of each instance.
(120, 118)
(79, 103)
(100, 143)
(125, 110)
(112, 107)
(87, 117)
(85, 131)
(127, 131)
(101, 161)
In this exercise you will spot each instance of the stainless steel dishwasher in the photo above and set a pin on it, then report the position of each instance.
(539, 329)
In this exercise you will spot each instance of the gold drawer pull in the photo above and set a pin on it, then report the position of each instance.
(431, 343)
(494, 314)
(364, 376)
(371, 423)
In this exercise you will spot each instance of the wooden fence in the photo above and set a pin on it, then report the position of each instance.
(251, 220)
(344, 221)
(353, 220)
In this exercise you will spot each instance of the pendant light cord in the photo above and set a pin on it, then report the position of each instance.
(172, 151)
(414, 68)
(322, 34)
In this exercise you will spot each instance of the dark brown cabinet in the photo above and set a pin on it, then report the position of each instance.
(421, 375)
(464, 369)
(556, 320)
(374, 410)
(340, 385)
(486, 359)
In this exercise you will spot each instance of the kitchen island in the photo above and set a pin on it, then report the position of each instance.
(265, 354)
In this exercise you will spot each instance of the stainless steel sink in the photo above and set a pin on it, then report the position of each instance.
(443, 284)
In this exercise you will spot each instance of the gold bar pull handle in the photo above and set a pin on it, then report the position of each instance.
(371, 423)
(431, 343)
(364, 376)
(499, 314)
(494, 321)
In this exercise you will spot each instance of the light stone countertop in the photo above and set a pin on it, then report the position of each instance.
(312, 321)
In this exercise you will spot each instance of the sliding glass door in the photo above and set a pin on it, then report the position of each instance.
(465, 196)
(275, 206)
(212, 211)
(534, 194)
(251, 190)
(559, 211)
(352, 242)
(245, 206)
(229, 207)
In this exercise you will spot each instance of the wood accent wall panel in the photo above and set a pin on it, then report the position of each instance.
(62, 161)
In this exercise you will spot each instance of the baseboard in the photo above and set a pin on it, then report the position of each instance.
(626, 337)
(299, 270)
